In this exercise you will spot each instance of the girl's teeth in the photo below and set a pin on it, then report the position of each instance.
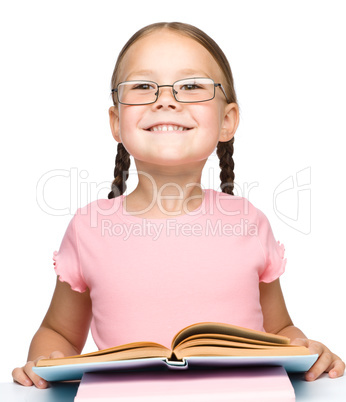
(168, 128)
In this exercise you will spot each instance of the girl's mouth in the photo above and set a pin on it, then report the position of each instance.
(167, 127)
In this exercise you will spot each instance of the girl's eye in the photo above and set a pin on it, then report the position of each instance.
(143, 87)
(190, 87)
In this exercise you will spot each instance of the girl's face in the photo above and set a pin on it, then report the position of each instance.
(165, 57)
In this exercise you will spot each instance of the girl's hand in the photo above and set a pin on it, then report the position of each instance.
(25, 375)
(327, 362)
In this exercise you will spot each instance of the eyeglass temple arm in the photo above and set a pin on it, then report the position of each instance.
(221, 87)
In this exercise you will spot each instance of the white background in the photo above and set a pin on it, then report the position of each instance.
(289, 68)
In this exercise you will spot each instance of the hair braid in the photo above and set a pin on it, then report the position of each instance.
(225, 153)
(121, 172)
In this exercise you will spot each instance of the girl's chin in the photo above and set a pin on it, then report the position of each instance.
(169, 160)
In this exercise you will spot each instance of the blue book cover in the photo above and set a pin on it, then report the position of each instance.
(76, 371)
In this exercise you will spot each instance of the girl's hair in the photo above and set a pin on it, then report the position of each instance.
(224, 150)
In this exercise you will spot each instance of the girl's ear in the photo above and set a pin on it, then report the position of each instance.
(114, 122)
(230, 122)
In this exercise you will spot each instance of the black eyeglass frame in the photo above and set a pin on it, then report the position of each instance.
(216, 85)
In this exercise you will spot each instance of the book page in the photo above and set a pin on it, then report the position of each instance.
(137, 350)
(247, 341)
(227, 329)
(240, 352)
(206, 342)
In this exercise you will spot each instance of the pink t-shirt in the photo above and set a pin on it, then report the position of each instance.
(150, 278)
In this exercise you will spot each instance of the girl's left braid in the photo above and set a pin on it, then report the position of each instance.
(121, 172)
(224, 151)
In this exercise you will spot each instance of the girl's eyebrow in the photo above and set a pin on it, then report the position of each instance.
(139, 73)
(188, 72)
(185, 73)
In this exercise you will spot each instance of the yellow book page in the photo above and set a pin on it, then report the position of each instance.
(227, 329)
(192, 343)
(123, 352)
(231, 338)
(236, 352)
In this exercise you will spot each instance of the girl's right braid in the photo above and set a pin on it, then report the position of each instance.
(121, 172)
(224, 151)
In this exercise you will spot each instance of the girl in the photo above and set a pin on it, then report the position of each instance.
(141, 267)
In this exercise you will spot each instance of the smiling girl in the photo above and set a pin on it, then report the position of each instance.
(174, 103)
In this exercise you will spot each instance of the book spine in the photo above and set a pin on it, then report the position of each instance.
(177, 364)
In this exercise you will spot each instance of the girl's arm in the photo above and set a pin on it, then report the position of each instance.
(277, 321)
(63, 332)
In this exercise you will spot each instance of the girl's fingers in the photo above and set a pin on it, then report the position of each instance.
(56, 354)
(26, 376)
(38, 381)
(300, 342)
(327, 361)
(323, 362)
(20, 377)
(337, 368)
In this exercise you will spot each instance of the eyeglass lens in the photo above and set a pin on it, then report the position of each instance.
(187, 90)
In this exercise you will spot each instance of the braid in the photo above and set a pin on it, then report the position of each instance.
(121, 172)
(225, 153)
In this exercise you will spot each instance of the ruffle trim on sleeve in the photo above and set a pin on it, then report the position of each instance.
(281, 252)
(61, 278)
(275, 272)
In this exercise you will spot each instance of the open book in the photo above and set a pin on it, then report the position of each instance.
(202, 339)
(204, 345)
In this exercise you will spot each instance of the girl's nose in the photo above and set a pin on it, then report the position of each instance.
(166, 99)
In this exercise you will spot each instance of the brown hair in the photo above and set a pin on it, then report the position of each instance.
(224, 150)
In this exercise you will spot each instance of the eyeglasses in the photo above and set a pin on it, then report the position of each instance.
(188, 90)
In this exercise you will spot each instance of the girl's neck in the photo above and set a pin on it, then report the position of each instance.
(165, 194)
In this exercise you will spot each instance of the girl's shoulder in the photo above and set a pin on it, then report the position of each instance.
(95, 211)
(101, 206)
(232, 205)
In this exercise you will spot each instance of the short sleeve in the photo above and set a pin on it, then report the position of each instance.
(273, 251)
(67, 259)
